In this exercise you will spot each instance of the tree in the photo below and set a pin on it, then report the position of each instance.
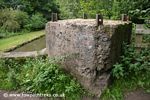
(76, 8)
(135, 8)
(69, 8)
(12, 20)
(46, 7)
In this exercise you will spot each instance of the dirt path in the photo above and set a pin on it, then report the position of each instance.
(137, 95)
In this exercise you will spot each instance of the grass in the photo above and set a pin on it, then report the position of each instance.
(11, 42)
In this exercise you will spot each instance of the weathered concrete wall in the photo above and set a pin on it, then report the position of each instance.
(96, 48)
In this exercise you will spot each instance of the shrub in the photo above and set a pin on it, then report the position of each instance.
(12, 20)
(147, 22)
(132, 63)
(21, 17)
(5, 14)
(36, 22)
(146, 38)
(11, 26)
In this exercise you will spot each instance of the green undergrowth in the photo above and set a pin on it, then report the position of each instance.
(120, 87)
(130, 73)
(38, 75)
(146, 38)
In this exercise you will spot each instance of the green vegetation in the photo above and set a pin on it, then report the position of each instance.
(11, 42)
(111, 9)
(20, 15)
(146, 38)
(36, 22)
(132, 63)
(132, 72)
(121, 86)
(147, 22)
(45, 7)
(42, 75)
(24, 15)
(38, 75)
(14, 21)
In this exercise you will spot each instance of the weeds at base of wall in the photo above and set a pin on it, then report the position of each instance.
(131, 73)
(39, 75)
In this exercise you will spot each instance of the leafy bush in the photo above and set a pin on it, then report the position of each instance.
(7, 20)
(12, 21)
(130, 74)
(11, 25)
(21, 17)
(38, 75)
(147, 22)
(132, 62)
(146, 38)
(36, 22)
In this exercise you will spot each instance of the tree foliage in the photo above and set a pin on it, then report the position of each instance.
(44, 7)
(108, 8)
(24, 10)
(18, 15)
(36, 22)
(12, 20)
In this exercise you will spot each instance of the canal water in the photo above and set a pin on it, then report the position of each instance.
(35, 45)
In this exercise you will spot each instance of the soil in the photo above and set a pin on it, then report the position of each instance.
(137, 95)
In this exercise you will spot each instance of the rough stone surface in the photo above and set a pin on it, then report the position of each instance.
(96, 49)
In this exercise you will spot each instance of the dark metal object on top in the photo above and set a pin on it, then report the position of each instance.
(99, 19)
(54, 17)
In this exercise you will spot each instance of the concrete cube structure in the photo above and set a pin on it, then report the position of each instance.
(93, 49)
